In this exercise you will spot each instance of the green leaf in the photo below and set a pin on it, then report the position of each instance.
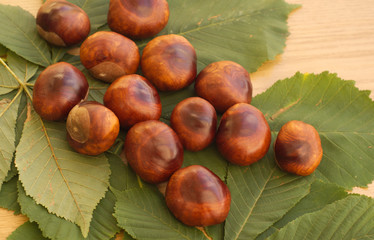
(103, 225)
(24, 69)
(208, 157)
(143, 213)
(29, 231)
(96, 10)
(349, 218)
(65, 182)
(341, 114)
(8, 119)
(21, 35)
(122, 177)
(8, 196)
(244, 31)
(261, 194)
(321, 194)
(7, 81)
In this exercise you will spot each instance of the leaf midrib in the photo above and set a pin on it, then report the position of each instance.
(255, 203)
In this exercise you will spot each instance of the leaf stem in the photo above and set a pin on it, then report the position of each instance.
(22, 84)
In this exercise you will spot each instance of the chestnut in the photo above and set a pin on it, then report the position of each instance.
(62, 23)
(109, 55)
(195, 121)
(138, 19)
(57, 90)
(298, 148)
(91, 128)
(169, 62)
(153, 151)
(133, 99)
(243, 135)
(197, 197)
(224, 84)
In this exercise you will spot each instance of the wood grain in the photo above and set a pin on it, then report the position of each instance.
(336, 35)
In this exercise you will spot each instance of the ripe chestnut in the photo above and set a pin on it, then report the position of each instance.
(243, 135)
(91, 128)
(109, 55)
(197, 197)
(224, 84)
(62, 23)
(133, 99)
(298, 148)
(138, 19)
(57, 90)
(169, 62)
(153, 151)
(195, 121)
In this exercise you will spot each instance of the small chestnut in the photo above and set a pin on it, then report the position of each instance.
(133, 99)
(224, 84)
(195, 121)
(243, 135)
(57, 90)
(169, 62)
(197, 197)
(62, 23)
(91, 128)
(298, 148)
(109, 55)
(153, 151)
(138, 19)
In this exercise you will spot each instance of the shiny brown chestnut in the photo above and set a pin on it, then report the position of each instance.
(298, 148)
(224, 84)
(197, 197)
(62, 23)
(138, 19)
(109, 55)
(153, 151)
(243, 135)
(133, 99)
(169, 62)
(91, 128)
(195, 121)
(57, 90)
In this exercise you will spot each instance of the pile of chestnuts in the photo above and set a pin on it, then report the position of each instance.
(153, 149)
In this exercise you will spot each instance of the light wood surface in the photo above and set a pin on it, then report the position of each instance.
(335, 36)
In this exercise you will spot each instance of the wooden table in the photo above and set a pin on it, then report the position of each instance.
(335, 35)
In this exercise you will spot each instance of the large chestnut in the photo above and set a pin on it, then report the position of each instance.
(195, 121)
(109, 55)
(138, 19)
(133, 99)
(153, 151)
(298, 148)
(62, 23)
(57, 90)
(169, 62)
(224, 84)
(198, 197)
(243, 135)
(91, 128)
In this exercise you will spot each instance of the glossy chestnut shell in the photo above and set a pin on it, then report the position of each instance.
(195, 122)
(198, 197)
(62, 23)
(91, 128)
(169, 62)
(133, 99)
(57, 90)
(109, 55)
(153, 151)
(138, 19)
(224, 84)
(243, 135)
(298, 148)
